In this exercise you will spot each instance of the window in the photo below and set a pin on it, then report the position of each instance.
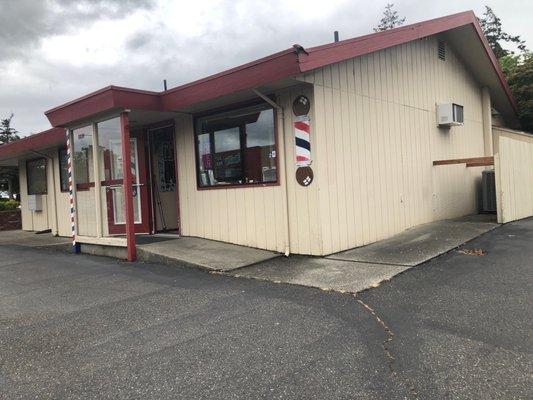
(81, 151)
(237, 147)
(36, 176)
(63, 170)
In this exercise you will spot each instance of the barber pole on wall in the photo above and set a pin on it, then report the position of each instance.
(75, 246)
(302, 140)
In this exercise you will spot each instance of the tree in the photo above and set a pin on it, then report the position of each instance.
(492, 28)
(390, 19)
(8, 175)
(519, 72)
(7, 133)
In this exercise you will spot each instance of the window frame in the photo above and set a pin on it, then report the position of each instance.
(45, 176)
(235, 107)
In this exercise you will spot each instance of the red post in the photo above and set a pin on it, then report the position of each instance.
(128, 190)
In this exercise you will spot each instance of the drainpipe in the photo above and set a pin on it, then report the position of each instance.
(486, 111)
(54, 201)
(285, 151)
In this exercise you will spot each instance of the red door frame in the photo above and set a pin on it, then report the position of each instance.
(142, 190)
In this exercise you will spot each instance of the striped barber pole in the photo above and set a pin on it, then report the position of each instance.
(302, 133)
(75, 246)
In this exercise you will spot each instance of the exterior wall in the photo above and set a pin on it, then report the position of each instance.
(250, 216)
(376, 138)
(513, 161)
(46, 219)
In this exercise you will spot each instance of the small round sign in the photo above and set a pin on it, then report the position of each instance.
(301, 105)
(304, 176)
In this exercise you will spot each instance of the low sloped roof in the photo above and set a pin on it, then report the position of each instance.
(462, 30)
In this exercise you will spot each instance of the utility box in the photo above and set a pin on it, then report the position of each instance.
(488, 191)
(35, 202)
(450, 114)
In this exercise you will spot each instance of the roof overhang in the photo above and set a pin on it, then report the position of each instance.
(103, 101)
(10, 153)
(461, 29)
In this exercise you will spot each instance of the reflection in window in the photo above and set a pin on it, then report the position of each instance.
(63, 170)
(237, 147)
(82, 150)
(36, 176)
(164, 155)
(110, 145)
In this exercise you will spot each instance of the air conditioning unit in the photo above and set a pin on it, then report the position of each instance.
(35, 202)
(488, 191)
(450, 114)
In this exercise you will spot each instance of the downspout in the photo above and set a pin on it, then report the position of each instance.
(285, 152)
(56, 233)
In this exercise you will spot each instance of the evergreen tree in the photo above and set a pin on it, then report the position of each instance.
(390, 19)
(8, 175)
(519, 72)
(7, 133)
(492, 28)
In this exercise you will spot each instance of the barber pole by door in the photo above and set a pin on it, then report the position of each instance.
(75, 246)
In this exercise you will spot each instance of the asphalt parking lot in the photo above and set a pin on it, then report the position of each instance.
(83, 326)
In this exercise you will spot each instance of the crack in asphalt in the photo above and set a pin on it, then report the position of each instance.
(386, 343)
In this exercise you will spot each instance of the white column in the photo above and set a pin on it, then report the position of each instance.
(487, 121)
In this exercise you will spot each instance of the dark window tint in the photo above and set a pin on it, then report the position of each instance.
(36, 176)
(63, 169)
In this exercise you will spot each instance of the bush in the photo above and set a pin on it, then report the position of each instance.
(9, 205)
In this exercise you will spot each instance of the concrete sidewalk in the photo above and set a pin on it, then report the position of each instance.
(201, 253)
(32, 239)
(366, 267)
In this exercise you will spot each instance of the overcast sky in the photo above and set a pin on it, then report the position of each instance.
(52, 51)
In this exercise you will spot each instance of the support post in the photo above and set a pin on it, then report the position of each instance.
(97, 183)
(486, 111)
(127, 184)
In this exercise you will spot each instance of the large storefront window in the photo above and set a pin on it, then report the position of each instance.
(36, 176)
(237, 147)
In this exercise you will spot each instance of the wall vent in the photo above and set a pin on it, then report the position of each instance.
(442, 49)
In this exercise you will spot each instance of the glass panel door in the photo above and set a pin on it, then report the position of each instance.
(116, 173)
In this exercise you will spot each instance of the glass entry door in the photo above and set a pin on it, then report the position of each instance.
(113, 183)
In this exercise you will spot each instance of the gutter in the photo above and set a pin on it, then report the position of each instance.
(286, 196)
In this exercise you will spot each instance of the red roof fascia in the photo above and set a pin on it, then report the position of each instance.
(102, 100)
(331, 53)
(39, 141)
(268, 69)
(335, 52)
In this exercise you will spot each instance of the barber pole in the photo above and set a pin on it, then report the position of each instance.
(302, 141)
(75, 246)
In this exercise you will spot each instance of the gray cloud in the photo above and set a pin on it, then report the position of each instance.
(24, 23)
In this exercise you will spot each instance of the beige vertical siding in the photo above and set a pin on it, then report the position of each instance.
(376, 137)
(513, 158)
(253, 216)
(45, 219)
